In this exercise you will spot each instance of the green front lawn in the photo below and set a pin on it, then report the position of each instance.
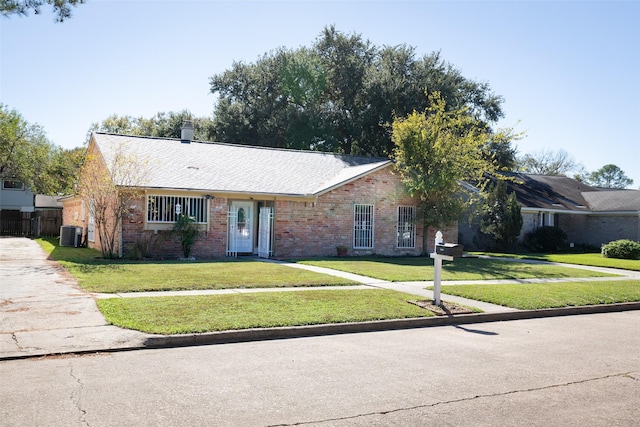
(408, 269)
(198, 314)
(110, 276)
(594, 259)
(550, 295)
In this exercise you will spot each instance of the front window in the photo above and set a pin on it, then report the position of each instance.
(406, 227)
(167, 209)
(363, 227)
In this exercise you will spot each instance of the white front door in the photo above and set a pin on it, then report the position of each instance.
(243, 236)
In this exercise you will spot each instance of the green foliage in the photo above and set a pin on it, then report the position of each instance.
(609, 176)
(187, 230)
(622, 249)
(339, 95)
(434, 151)
(62, 8)
(27, 155)
(546, 239)
(502, 217)
(499, 151)
(162, 125)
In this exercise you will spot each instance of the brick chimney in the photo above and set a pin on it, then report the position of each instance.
(186, 135)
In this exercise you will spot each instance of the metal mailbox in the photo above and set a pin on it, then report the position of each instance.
(449, 249)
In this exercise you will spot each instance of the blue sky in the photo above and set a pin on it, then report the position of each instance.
(569, 71)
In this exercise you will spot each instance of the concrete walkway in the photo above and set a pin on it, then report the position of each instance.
(44, 312)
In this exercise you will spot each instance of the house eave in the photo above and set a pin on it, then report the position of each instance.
(352, 179)
(579, 212)
(231, 194)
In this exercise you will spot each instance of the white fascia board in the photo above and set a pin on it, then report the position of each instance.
(354, 178)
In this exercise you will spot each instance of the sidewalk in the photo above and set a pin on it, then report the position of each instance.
(43, 311)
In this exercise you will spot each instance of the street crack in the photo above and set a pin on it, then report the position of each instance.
(15, 340)
(76, 396)
(629, 375)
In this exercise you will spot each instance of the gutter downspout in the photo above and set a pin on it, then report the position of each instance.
(119, 237)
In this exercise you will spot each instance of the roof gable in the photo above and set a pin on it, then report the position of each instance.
(222, 167)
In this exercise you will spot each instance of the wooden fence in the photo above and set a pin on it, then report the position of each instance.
(45, 223)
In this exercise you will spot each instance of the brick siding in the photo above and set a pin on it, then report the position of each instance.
(301, 228)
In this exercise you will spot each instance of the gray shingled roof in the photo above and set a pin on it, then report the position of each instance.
(613, 200)
(561, 193)
(221, 167)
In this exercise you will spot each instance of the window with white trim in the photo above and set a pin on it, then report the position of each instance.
(363, 226)
(406, 227)
(167, 209)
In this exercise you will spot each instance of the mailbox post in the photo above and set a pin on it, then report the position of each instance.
(442, 251)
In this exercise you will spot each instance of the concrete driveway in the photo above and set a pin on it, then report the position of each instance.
(40, 305)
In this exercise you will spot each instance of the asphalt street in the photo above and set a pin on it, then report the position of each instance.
(563, 371)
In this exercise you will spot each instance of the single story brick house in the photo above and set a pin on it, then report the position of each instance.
(589, 215)
(256, 200)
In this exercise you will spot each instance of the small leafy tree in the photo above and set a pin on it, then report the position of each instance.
(109, 187)
(435, 151)
(502, 217)
(187, 231)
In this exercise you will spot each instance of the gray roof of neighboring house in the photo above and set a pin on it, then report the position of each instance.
(234, 168)
(613, 200)
(561, 193)
(48, 202)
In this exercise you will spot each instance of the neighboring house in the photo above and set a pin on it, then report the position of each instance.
(589, 215)
(255, 200)
(16, 207)
(47, 217)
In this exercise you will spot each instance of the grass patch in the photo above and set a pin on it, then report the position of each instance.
(406, 269)
(593, 259)
(110, 276)
(550, 295)
(198, 314)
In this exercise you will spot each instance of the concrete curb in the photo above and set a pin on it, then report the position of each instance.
(247, 335)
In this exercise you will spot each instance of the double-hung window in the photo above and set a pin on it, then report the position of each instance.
(406, 227)
(167, 209)
(363, 226)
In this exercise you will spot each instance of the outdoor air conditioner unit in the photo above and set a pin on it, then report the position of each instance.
(70, 236)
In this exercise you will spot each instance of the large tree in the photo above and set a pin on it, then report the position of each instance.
(548, 162)
(62, 8)
(341, 95)
(162, 125)
(27, 155)
(434, 152)
(609, 176)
